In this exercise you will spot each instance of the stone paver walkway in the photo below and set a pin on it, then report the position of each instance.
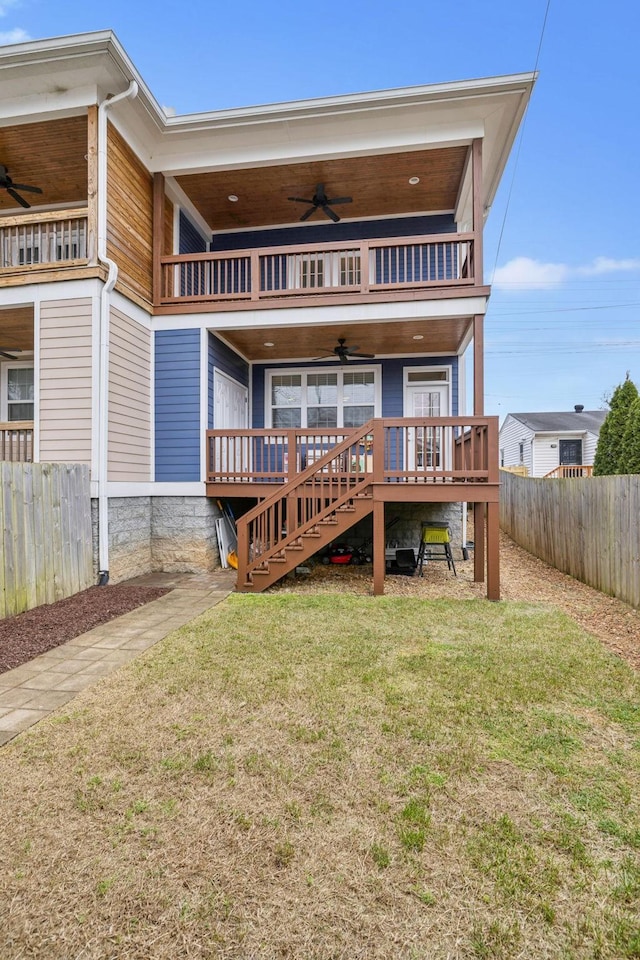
(34, 690)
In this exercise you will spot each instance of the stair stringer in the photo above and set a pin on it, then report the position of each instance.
(301, 547)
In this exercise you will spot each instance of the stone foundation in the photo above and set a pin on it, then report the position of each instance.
(167, 534)
(405, 532)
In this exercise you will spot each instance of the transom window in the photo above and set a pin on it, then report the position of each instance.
(323, 399)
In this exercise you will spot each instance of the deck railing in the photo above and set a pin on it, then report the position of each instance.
(43, 239)
(16, 441)
(413, 450)
(356, 267)
(569, 471)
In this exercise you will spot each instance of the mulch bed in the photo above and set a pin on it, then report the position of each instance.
(34, 632)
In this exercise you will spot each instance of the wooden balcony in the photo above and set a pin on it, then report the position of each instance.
(16, 441)
(356, 271)
(39, 243)
(437, 459)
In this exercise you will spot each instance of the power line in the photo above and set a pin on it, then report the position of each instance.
(519, 147)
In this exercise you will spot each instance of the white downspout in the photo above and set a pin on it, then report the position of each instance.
(105, 309)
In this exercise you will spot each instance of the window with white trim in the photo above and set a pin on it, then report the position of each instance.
(323, 399)
(17, 397)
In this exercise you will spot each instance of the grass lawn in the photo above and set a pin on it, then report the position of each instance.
(332, 777)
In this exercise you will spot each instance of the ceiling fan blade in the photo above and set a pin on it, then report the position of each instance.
(341, 200)
(330, 213)
(299, 200)
(26, 187)
(16, 196)
(7, 355)
(365, 356)
(307, 214)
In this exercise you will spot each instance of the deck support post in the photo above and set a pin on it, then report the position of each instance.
(379, 544)
(478, 542)
(493, 552)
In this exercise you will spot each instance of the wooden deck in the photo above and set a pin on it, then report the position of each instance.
(313, 486)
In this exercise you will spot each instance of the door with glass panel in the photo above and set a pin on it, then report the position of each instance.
(425, 444)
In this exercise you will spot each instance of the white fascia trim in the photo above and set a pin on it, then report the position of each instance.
(319, 223)
(36, 107)
(375, 99)
(150, 489)
(338, 314)
(189, 157)
(38, 292)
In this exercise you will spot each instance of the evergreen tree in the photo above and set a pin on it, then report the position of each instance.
(631, 440)
(609, 453)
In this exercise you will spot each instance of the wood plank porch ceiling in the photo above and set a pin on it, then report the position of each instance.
(379, 186)
(16, 328)
(51, 155)
(381, 339)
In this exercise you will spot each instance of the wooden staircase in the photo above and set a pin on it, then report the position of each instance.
(306, 514)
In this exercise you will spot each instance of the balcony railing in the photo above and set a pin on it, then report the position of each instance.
(16, 441)
(568, 471)
(280, 273)
(29, 241)
(412, 450)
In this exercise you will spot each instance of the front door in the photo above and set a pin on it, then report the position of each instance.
(230, 412)
(424, 444)
(570, 452)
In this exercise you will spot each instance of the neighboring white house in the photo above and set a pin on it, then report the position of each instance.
(542, 442)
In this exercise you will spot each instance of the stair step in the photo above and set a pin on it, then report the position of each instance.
(311, 535)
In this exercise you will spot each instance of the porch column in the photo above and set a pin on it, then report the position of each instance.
(493, 552)
(92, 184)
(379, 544)
(478, 365)
(158, 236)
(478, 211)
(478, 542)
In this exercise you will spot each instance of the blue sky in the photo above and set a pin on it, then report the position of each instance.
(563, 325)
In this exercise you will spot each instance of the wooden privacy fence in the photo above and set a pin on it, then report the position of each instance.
(588, 528)
(46, 550)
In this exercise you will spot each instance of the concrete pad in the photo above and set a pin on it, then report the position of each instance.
(5, 736)
(18, 720)
(16, 697)
(49, 699)
(46, 680)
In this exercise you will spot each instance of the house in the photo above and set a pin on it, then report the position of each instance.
(277, 307)
(551, 444)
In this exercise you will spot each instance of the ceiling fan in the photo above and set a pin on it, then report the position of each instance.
(320, 201)
(343, 352)
(7, 356)
(6, 183)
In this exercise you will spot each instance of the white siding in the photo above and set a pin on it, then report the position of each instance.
(129, 399)
(512, 433)
(589, 445)
(546, 454)
(65, 381)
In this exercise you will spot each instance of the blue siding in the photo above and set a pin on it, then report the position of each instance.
(330, 232)
(392, 383)
(191, 240)
(222, 358)
(177, 405)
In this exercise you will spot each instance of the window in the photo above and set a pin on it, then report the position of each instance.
(17, 393)
(521, 451)
(313, 270)
(323, 399)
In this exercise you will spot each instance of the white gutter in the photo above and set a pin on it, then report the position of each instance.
(105, 309)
